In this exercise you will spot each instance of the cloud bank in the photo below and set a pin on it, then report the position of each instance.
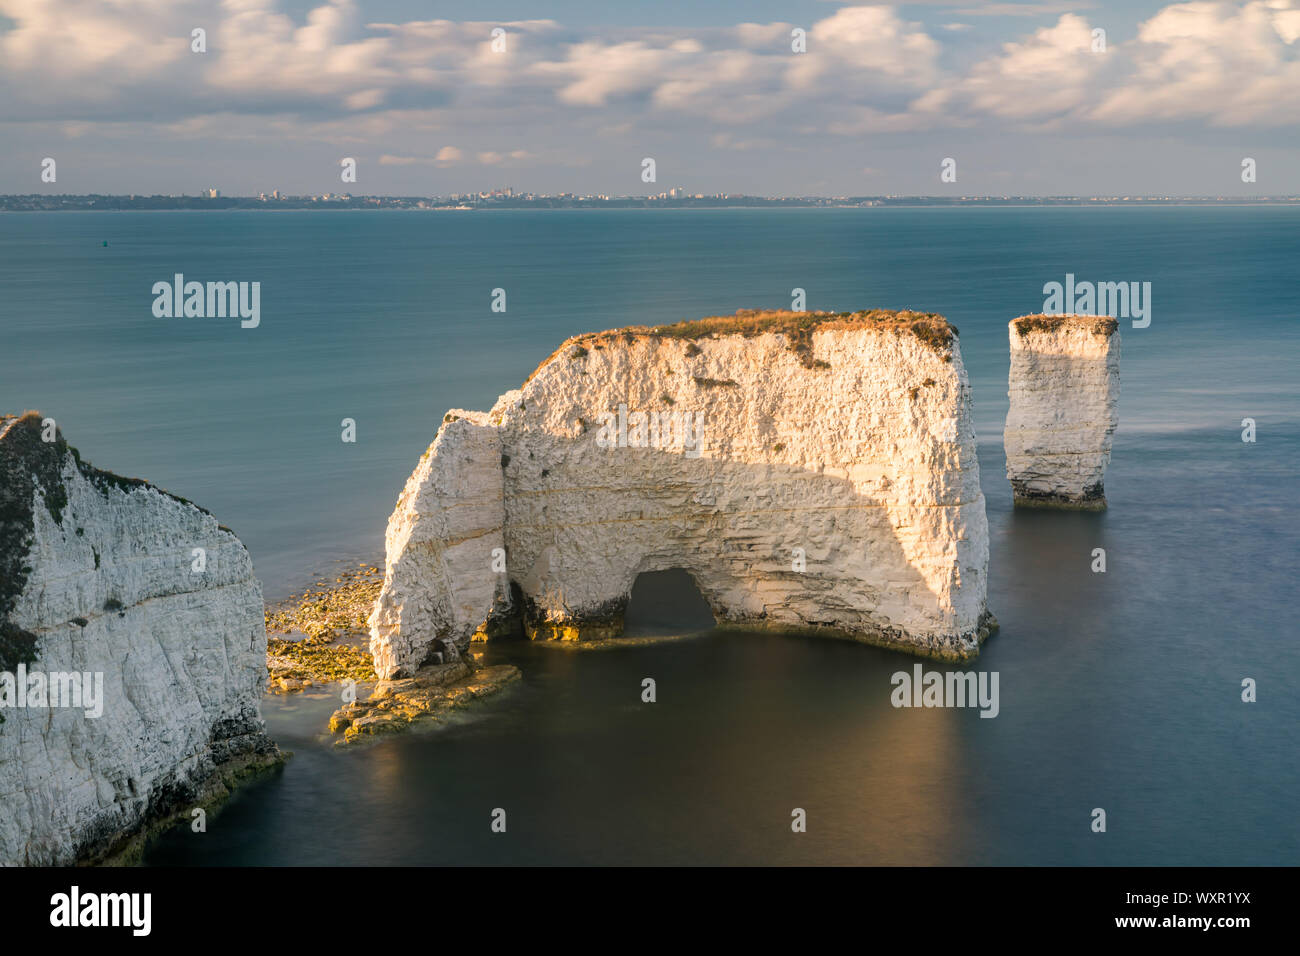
(867, 70)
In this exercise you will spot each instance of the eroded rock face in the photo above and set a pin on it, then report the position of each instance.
(97, 578)
(443, 538)
(813, 472)
(1064, 391)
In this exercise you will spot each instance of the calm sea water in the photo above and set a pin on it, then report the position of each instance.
(1119, 691)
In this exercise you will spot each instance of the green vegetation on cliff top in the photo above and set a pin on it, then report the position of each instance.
(930, 328)
(1097, 324)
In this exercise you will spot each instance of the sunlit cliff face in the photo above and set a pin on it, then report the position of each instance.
(832, 487)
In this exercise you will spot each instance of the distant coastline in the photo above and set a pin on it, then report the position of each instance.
(500, 199)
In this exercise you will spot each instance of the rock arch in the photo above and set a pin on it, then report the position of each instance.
(815, 472)
(667, 600)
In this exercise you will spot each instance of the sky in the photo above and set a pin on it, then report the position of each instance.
(1027, 98)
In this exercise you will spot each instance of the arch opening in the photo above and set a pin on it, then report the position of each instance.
(666, 602)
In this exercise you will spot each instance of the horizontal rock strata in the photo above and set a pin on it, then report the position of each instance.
(1064, 408)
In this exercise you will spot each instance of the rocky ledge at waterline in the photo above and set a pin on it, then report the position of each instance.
(1064, 408)
(135, 622)
(435, 691)
(814, 473)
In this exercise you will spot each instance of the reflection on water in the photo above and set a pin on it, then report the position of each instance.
(746, 728)
(1118, 690)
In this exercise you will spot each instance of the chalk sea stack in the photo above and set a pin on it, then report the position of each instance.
(813, 472)
(1064, 392)
(97, 577)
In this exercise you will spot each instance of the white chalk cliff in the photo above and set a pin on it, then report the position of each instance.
(814, 473)
(1064, 392)
(97, 576)
(439, 584)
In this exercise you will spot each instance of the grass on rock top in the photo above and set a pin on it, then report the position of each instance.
(1097, 324)
(930, 328)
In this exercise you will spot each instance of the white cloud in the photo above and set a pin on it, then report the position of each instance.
(1046, 76)
(512, 158)
(336, 76)
(447, 156)
(1216, 63)
(1223, 63)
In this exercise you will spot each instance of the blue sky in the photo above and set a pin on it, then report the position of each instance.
(1021, 95)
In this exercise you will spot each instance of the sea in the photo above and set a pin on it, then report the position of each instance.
(1120, 691)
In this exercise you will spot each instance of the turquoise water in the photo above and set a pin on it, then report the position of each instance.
(1118, 691)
